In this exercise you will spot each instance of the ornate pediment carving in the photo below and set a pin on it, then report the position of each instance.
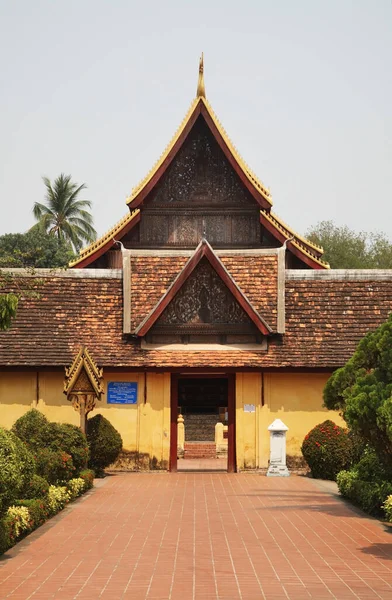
(200, 175)
(203, 300)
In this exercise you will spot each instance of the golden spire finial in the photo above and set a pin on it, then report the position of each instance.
(201, 90)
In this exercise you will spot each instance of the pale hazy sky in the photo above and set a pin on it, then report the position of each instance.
(97, 88)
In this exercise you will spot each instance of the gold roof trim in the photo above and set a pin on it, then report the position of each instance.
(298, 242)
(279, 222)
(83, 360)
(105, 238)
(264, 191)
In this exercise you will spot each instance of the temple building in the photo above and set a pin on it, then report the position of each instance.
(195, 321)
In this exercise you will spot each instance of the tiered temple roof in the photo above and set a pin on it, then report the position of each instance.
(307, 253)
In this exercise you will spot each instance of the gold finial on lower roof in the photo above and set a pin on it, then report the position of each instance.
(201, 90)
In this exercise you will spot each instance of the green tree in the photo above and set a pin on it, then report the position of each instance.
(64, 215)
(347, 249)
(34, 249)
(362, 391)
(8, 305)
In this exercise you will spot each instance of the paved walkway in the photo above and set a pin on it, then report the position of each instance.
(190, 536)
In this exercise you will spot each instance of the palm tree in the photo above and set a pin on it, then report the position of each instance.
(64, 215)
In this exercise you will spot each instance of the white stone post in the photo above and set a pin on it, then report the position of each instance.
(277, 463)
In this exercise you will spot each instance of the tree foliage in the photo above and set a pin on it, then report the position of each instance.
(13, 287)
(34, 249)
(63, 214)
(347, 249)
(362, 390)
(8, 306)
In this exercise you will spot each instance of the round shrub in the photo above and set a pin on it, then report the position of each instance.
(55, 466)
(69, 439)
(104, 441)
(20, 521)
(327, 449)
(76, 487)
(37, 509)
(58, 497)
(16, 467)
(37, 487)
(37, 432)
(33, 429)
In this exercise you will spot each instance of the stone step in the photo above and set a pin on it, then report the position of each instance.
(199, 450)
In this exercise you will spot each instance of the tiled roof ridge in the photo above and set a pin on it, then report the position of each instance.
(339, 274)
(115, 230)
(63, 273)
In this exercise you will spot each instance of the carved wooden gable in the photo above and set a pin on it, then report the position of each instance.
(200, 194)
(204, 303)
(200, 174)
(203, 300)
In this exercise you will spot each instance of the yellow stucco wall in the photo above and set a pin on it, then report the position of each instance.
(295, 398)
(248, 400)
(144, 426)
(17, 395)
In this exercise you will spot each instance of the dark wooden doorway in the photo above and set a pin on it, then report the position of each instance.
(178, 383)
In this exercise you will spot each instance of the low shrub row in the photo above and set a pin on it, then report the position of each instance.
(335, 453)
(25, 515)
(368, 484)
(43, 466)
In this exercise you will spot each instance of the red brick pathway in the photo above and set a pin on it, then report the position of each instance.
(187, 536)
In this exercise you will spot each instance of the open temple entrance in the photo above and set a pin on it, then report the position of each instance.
(202, 423)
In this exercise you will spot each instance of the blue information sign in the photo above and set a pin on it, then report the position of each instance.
(122, 392)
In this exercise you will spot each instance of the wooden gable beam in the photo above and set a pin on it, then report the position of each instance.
(203, 250)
